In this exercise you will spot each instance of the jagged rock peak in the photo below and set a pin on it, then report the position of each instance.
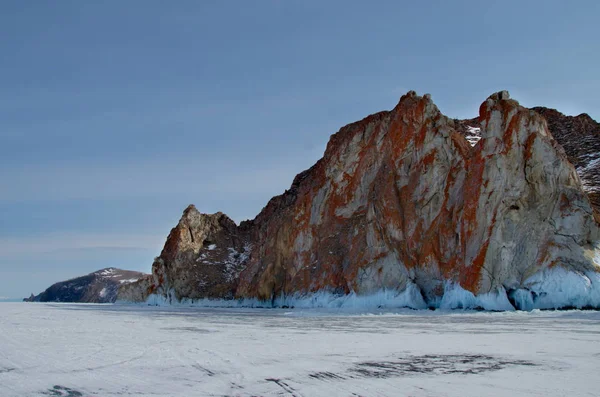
(202, 257)
(500, 96)
(190, 208)
(411, 97)
(191, 214)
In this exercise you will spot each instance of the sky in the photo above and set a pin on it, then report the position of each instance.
(115, 115)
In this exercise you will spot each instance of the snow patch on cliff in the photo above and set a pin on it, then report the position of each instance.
(129, 281)
(594, 161)
(234, 263)
(473, 135)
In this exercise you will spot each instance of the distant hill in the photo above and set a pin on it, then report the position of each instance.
(98, 287)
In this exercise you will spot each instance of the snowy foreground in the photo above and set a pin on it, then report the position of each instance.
(117, 350)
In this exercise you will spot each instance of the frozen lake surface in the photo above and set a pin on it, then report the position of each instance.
(113, 350)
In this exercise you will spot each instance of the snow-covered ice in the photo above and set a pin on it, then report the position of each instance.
(127, 350)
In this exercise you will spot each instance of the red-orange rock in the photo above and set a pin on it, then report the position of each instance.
(400, 199)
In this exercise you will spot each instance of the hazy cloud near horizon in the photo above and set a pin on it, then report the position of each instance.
(114, 116)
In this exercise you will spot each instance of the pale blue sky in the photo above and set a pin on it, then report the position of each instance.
(115, 115)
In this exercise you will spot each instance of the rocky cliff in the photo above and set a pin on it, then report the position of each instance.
(578, 135)
(98, 287)
(202, 258)
(404, 208)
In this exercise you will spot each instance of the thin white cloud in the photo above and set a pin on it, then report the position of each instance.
(38, 245)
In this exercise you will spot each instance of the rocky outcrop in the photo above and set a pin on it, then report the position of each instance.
(98, 287)
(202, 258)
(401, 202)
(580, 138)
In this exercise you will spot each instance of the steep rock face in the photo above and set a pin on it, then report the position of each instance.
(401, 201)
(364, 217)
(98, 287)
(580, 138)
(525, 209)
(202, 257)
(401, 198)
